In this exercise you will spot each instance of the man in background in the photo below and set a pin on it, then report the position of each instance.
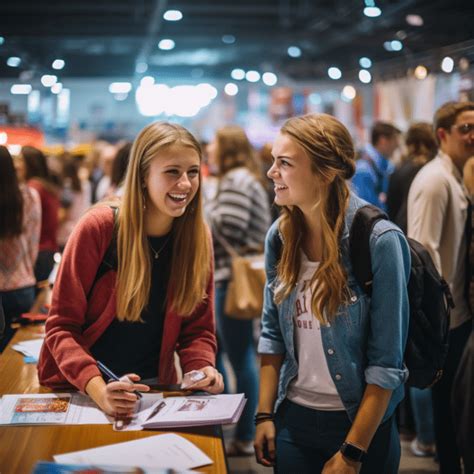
(373, 168)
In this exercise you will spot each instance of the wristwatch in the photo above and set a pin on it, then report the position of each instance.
(353, 452)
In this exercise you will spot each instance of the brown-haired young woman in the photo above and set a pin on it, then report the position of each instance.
(332, 367)
(160, 297)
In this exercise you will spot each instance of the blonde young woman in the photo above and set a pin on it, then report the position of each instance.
(159, 299)
(332, 367)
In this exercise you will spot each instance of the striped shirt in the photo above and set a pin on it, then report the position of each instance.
(241, 214)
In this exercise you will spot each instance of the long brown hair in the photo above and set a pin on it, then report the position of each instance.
(191, 258)
(329, 145)
(11, 198)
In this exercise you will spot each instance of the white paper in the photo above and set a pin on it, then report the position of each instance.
(169, 451)
(197, 411)
(29, 348)
(60, 408)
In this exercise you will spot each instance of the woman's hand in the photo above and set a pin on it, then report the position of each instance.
(116, 398)
(338, 464)
(211, 383)
(264, 443)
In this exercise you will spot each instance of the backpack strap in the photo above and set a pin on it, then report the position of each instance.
(378, 173)
(359, 244)
(110, 259)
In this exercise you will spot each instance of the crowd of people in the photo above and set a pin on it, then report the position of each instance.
(144, 229)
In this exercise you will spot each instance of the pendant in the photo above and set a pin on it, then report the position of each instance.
(156, 255)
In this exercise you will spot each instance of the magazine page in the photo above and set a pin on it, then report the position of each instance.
(195, 410)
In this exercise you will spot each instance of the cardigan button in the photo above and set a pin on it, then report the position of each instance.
(354, 298)
(338, 376)
(330, 351)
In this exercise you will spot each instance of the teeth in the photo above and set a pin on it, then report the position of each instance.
(178, 196)
(281, 186)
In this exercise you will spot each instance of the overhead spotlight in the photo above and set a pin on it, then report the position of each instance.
(334, 73)
(141, 67)
(147, 81)
(414, 20)
(58, 64)
(20, 89)
(420, 72)
(166, 44)
(269, 78)
(372, 12)
(294, 51)
(228, 39)
(237, 74)
(231, 89)
(365, 76)
(348, 93)
(394, 45)
(252, 76)
(56, 88)
(48, 80)
(365, 62)
(172, 15)
(13, 61)
(447, 64)
(120, 87)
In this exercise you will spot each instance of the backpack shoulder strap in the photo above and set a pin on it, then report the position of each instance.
(110, 259)
(375, 169)
(359, 244)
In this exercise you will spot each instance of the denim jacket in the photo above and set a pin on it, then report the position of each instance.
(364, 343)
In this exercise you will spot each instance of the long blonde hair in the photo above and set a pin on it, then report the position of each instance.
(191, 258)
(329, 146)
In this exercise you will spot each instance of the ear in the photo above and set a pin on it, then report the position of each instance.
(441, 134)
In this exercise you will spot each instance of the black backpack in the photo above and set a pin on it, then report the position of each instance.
(429, 297)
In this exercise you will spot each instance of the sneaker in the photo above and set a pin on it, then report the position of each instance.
(240, 448)
(422, 450)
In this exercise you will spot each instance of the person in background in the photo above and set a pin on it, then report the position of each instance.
(332, 370)
(421, 147)
(373, 168)
(119, 169)
(240, 214)
(439, 217)
(266, 160)
(76, 198)
(20, 223)
(107, 156)
(32, 167)
(157, 296)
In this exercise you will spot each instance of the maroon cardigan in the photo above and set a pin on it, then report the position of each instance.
(74, 323)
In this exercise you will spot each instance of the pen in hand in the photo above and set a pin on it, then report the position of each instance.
(108, 373)
(156, 410)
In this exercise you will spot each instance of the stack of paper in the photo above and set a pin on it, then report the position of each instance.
(169, 451)
(44, 467)
(29, 348)
(174, 412)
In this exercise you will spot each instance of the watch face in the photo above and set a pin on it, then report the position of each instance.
(352, 452)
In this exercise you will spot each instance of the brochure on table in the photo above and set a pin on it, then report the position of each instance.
(169, 451)
(60, 408)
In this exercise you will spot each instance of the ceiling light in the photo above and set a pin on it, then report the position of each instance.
(13, 61)
(447, 64)
(2, 40)
(237, 74)
(172, 15)
(365, 62)
(365, 76)
(147, 81)
(372, 12)
(394, 45)
(56, 88)
(231, 89)
(269, 78)
(166, 44)
(252, 76)
(414, 20)
(421, 72)
(20, 89)
(120, 87)
(294, 51)
(348, 93)
(58, 64)
(228, 39)
(334, 73)
(141, 67)
(48, 80)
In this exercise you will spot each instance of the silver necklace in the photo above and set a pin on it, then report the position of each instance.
(156, 253)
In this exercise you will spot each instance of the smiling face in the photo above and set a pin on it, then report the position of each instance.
(296, 184)
(171, 183)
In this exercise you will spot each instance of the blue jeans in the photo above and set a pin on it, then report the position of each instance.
(306, 439)
(236, 338)
(422, 407)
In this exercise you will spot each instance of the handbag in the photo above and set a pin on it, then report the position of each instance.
(244, 297)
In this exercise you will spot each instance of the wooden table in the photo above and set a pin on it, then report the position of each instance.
(22, 446)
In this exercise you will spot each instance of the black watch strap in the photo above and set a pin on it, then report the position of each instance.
(352, 452)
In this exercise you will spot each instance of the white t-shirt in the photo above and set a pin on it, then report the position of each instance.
(313, 387)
